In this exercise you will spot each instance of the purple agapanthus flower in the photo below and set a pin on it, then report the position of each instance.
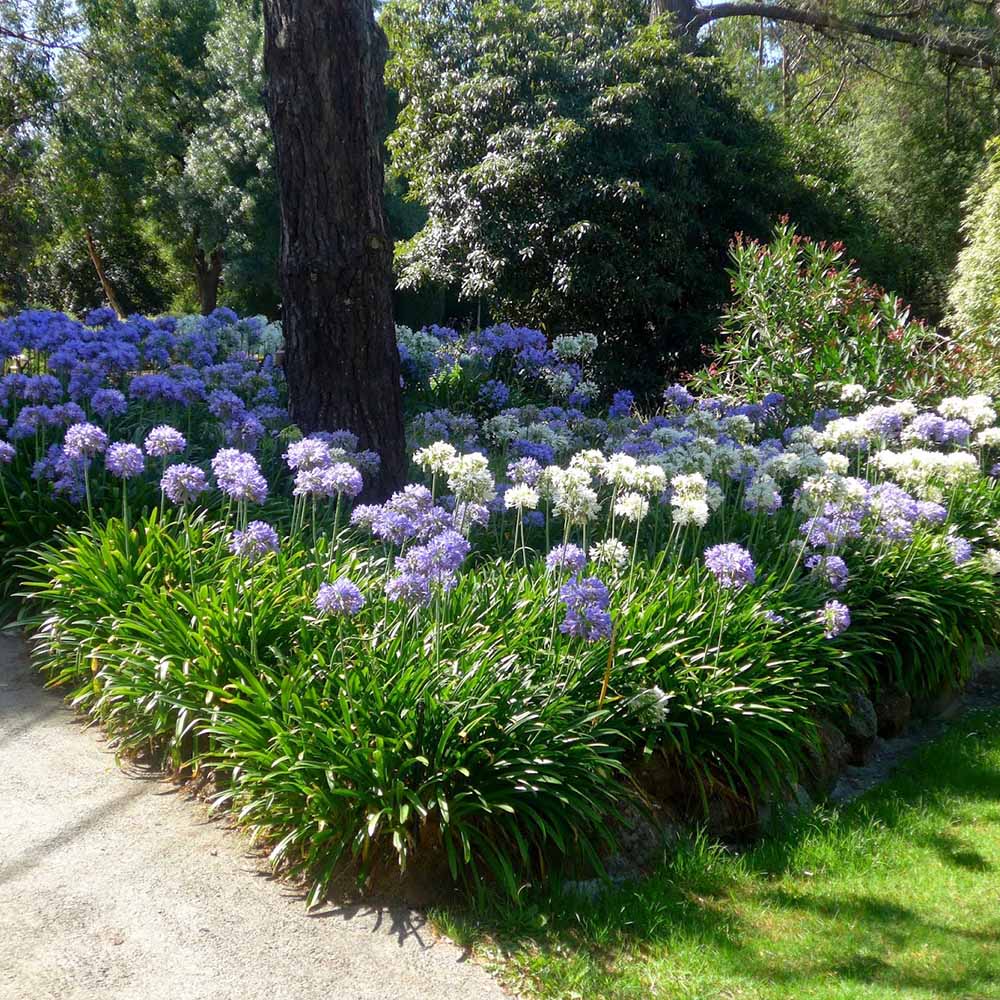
(254, 541)
(587, 615)
(164, 440)
(567, 558)
(678, 396)
(961, 548)
(309, 453)
(437, 560)
(124, 460)
(495, 394)
(7, 452)
(834, 617)
(621, 403)
(84, 441)
(832, 570)
(343, 479)
(342, 599)
(239, 476)
(730, 564)
(409, 588)
(524, 470)
(183, 483)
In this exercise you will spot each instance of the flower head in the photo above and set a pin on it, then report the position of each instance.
(254, 541)
(610, 552)
(124, 460)
(342, 599)
(521, 497)
(566, 558)
(239, 476)
(587, 615)
(183, 483)
(834, 617)
(164, 440)
(84, 441)
(730, 564)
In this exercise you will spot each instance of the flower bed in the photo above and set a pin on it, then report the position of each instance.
(469, 673)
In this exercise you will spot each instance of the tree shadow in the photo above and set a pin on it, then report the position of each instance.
(20, 864)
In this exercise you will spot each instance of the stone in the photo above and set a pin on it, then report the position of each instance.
(892, 709)
(860, 727)
(829, 757)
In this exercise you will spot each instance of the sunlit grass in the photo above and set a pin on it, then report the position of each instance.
(896, 896)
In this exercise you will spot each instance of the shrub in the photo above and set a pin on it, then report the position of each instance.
(802, 322)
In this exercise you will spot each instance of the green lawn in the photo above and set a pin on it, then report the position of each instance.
(897, 896)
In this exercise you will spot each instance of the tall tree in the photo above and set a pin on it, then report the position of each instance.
(324, 61)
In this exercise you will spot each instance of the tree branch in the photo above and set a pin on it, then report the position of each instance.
(42, 43)
(968, 54)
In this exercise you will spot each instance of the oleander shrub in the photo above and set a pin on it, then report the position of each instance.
(803, 322)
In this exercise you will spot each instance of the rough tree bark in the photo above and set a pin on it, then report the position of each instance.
(207, 276)
(683, 10)
(324, 61)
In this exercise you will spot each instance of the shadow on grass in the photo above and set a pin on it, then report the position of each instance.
(761, 920)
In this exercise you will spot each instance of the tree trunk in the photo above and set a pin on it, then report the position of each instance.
(106, 286)
(207, 276)
(683, 10)
(326, 100)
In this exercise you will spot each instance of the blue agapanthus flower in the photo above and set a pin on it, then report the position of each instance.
(730, 564)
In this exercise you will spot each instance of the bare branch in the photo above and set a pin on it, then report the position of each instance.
(970, 55)
(43, 43)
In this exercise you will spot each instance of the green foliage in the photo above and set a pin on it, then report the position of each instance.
(917, 133)
(579, 170)
(476, 737)
(803, 322)
(974, 297)
(889, 898)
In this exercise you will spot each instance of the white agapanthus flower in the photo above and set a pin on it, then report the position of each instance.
(690, 500)
(838, 464)
(620, 471)
(469, 478)
(650, 479)
(738, 426)
(991, 561)
(853, 393)
(435, 457)
(783, 467)
(521, 497)
(925, 472)
(843, 433)
(548, 481)
(574, 499)
(611, 552)
(988, 437)
(976, 410)
(591, 460)
(560, 383)
(763, 494)
(576, 347)
(631, 507)
(503, 428)
(703, 422)
(829, 488)
(651, 706)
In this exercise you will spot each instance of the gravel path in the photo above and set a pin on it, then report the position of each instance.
(118, 887)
